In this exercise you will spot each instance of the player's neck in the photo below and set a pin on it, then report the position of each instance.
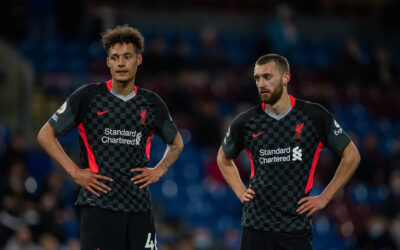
(123, 88)
(280, 106)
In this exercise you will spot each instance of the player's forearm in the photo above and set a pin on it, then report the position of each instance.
(348, 165)
(230, 173)
(47, 138)
(172, 152)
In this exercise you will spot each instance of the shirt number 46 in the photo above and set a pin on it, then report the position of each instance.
(150, 244)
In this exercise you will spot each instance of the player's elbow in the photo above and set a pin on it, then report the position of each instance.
(44, 134)
(357, 158)
(179, 143)
(221, 159)
(353, 155)
(41, 136)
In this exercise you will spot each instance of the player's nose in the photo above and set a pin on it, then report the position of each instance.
(121, 62)
(262, 83)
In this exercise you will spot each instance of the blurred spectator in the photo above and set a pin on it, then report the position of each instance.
(22, 240)
(376, 235)
(382, 71)
(373, 168)
(181, 56)
(395, 230)
(63, 189)
(207, 132)
(74, 244)
(48, 241)
(71, 27)
(281, 32)
(51, 217)
(10, 216)
(15, 182)
(212, 172)
(156, 59)
(211, 56)
(183, 93)
(14, 12)
(202, 240)
(394, 160)
(392, 203)
(16, 151)
(231, 239)
(41, 19)
(186, 243)
(350, 64)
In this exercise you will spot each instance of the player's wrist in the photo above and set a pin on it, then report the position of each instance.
(241, 194)
(160, 170)
(325, 198)
(73, 172)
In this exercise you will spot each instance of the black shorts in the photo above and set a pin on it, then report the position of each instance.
(262, 240)
(108, 230)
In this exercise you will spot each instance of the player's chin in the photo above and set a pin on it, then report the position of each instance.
(121, 79)
(264, 99)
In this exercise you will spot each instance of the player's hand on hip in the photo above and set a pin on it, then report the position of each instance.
(90, 181)
(247, 195)
(311, 204)
(147, 176)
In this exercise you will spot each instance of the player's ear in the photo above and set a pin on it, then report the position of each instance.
(108, 62)
(286, 77)
(139, 59)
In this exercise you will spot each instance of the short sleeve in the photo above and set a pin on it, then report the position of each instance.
(70, 114)
(165, 127)
(333, 136)
(233, 140)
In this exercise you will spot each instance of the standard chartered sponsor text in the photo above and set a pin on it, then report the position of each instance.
(134, 137)
(267, 152)
(277, 155)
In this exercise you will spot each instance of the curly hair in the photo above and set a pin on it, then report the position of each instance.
(123, 34)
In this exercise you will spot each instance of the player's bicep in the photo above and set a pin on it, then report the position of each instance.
(334, 137)
(165, 127)
(232, 143)
(63, 120)
(222, 158)
(72, 111)
(350, 151)
(49, 129)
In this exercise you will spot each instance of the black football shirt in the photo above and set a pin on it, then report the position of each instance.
(115, 134)
(283, 151)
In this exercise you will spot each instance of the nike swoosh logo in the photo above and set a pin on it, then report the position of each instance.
(255, 135)
(102, 112)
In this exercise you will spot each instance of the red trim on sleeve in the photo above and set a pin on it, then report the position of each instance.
(92, 162)
(109, 85)
(251, 162)
(292, 100)
(313, 166)
(148, 144)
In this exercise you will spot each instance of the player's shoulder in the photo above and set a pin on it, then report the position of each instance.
(149, 95)
(248, 114)
(144, 92)
(89, 89)
(310, 107)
